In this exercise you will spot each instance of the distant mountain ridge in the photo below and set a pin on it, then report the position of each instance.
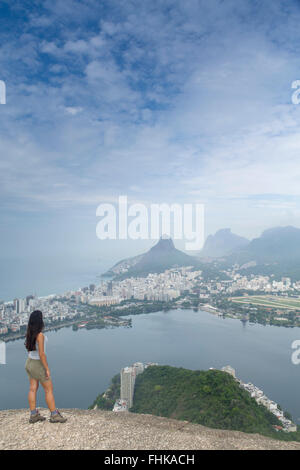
(163, 255)
(275, 245)
(222, 243)
(276, 251)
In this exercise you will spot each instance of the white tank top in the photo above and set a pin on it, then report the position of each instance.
(35, 354)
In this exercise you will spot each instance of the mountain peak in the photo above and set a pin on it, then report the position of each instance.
(223, 230)
(164, 243)
(163, 255)
(275, 245)
(222, 243)
(286, 230)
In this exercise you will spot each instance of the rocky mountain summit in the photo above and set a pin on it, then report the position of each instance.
(163, 255)
(222, 243)
(98, 429)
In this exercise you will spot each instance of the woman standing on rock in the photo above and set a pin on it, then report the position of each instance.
(38, 370)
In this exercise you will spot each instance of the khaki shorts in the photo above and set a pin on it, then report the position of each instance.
(36, 370)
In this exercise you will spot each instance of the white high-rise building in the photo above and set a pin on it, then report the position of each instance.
(19, 305)
(22, 305)
(128, 375)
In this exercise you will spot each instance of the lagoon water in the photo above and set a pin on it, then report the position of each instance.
(83, 362)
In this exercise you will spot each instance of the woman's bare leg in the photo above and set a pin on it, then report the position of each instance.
(49, 397)
(33, 388)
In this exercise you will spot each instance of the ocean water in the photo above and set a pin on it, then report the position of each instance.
(46, 275)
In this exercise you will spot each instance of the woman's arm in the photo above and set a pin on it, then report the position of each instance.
(40, 340)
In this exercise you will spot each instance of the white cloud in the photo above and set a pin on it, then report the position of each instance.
(176, 100)
(73, 110)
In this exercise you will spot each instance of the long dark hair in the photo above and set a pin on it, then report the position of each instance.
(35, 326)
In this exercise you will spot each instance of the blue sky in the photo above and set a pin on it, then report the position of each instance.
(165, 101)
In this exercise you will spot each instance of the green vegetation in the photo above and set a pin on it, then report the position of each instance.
(260, 308)
(269, 301)
(97, 323)
(211, 398)
(106, 400)
(136, 307)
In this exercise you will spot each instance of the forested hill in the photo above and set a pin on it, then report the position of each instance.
(212, 398)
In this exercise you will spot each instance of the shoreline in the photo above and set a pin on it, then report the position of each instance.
(51, 328)
(23, 335)
(213, 311)
(213, 325)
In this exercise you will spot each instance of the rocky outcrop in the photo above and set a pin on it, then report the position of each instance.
(163, 255)
(98, 429)
(222, 243)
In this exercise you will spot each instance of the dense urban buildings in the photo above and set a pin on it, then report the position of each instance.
(169, 286)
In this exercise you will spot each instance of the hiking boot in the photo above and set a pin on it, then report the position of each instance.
(36, 417)
(57, 418)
